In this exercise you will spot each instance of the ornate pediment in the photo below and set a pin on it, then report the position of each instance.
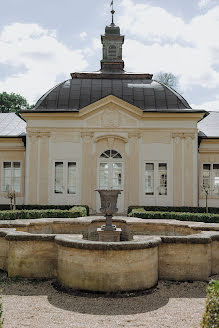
(111, 115)
(110, 118)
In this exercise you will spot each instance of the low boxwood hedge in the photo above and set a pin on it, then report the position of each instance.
(198, 217)
(80, 209)
(211, 315)
(213, 210)
(6, 207)
(37, 214)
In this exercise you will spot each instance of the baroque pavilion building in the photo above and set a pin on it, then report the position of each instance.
(110, 129)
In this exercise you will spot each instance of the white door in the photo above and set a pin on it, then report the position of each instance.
(110, 175)
(156, 183)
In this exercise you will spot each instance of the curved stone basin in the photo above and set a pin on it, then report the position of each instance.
(107, 267)
(161, 249)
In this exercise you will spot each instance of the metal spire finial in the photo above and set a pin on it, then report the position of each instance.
(112, 12)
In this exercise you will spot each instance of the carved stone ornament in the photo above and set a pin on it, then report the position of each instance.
(87, 136)
(189, 136)
(110, 118)
(135, 135)
(39, 134)
(110, 142)
(176, 135)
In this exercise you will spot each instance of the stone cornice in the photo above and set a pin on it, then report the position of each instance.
(209, 150)
(12, 148)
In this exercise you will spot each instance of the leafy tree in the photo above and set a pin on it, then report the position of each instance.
(168, 79)
(12, 103)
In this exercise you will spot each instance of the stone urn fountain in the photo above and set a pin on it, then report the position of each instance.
(109, 232)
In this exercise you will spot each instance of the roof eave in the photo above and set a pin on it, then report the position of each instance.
(209, 137)
(13, 137)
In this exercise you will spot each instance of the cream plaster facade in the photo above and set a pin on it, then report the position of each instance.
(109, 123)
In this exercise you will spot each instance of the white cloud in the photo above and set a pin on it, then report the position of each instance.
(83, 35)
(209, 105)
(159, 41)
(203, 3)
(148, 22)
(42, 55)
(96, 44)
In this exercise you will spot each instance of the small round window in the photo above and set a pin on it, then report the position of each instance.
(110, 154)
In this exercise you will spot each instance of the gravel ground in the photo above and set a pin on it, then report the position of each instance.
(39, 304)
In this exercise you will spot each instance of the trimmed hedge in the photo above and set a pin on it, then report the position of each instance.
(79, 209)
(211, 315)
(37, 214)
(6, 207)
(198, 217)
(212, 210)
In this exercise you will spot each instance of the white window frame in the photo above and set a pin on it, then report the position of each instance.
(110, 161)
(211, 191)
(156, 180)
(65, 178)
(2, 175)
(145, 191)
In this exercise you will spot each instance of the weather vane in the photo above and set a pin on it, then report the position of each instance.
(112, 12)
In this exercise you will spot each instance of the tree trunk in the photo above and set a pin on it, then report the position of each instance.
(206, 197)
(11, 206)
(14, 199)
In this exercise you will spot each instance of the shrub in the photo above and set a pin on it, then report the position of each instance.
(80, 209)
(137, 210)
(211, 315)
(1, 314)
(198, 217)
(212, 210)
(42, 207)
(37, 214)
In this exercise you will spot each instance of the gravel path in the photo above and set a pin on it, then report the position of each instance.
(39, 305)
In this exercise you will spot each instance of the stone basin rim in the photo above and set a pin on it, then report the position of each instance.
(203, 237)
(74, 242)
(92, 219)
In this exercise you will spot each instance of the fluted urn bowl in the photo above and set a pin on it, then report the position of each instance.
(108, 200)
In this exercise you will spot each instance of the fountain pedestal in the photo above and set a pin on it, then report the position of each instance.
(109, 235)
(109, 232)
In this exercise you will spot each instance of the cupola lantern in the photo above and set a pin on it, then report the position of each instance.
(112, 42)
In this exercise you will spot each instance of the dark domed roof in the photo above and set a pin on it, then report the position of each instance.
(136, 89)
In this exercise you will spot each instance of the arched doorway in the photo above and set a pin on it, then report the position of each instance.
(110, 175)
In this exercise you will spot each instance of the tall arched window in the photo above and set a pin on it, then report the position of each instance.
(110, 154)
(110, 170)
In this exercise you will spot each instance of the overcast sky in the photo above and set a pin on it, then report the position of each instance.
(43, 41)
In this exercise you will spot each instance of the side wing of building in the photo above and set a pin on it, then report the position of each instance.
(12, 157)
